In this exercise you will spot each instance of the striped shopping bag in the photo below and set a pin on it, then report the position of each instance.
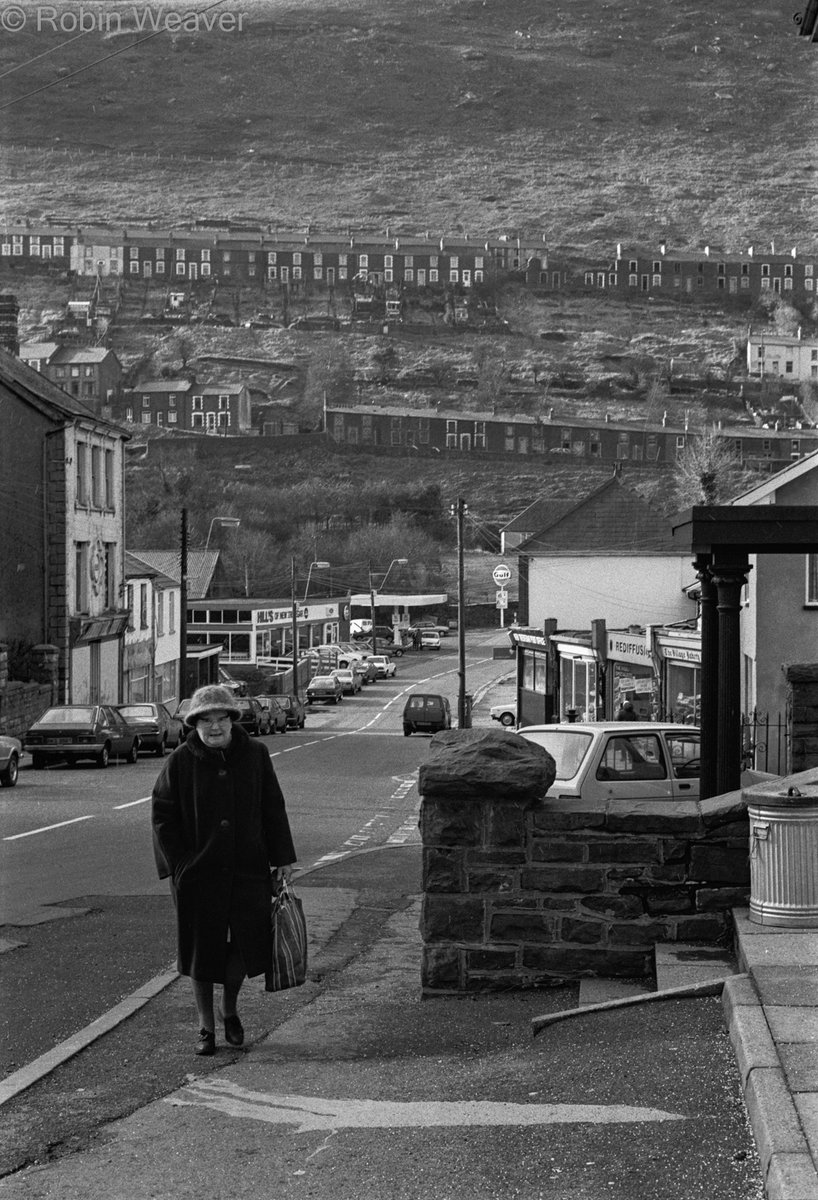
(288, 967)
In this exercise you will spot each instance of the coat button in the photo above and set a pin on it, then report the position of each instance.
(225, 824)
(222, 774)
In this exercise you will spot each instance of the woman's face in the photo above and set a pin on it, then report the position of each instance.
(214, 728)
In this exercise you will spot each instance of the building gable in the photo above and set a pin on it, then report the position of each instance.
(612, 520)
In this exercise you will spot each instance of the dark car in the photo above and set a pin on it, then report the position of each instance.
(158, 729)
(72, 732)
(296, 713)
(326, 688)
(252, 716)
(10, 751)
(426, 713)
(276, 713)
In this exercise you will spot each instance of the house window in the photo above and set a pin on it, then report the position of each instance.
(363, 262)
(409, 275)
(454, 276)
(479, 435)
(197, 420)
(198, 402)
(59, 247)
(633, 281)
(143, 606)
(81, 550)
(787, 270)
(82, 473)
(272, 272)
(812, 580)
(451, 435)
(342, 260)
(388, 275)
(297, 258)
(172, 418)
(296, 272)
(146, 401)
(160, 266)
(129, 414)
(180, 255)
(433, 260)
(180, 268)
(589, 279)
(788, 366)
(226, 256)
(224, 419)
(171, 612)
(657, 280)
(135, 268)
(765, 270)
(388, 261)
(146, 418)
(224, 402)
(433, 276)
(160, 614)
(109, 479)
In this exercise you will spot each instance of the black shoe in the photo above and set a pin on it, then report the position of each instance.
(206, 1043)
(233, 1031)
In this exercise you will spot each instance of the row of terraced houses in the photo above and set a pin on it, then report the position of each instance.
(265, 256)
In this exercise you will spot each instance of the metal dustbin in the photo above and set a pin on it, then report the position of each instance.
(784, 852)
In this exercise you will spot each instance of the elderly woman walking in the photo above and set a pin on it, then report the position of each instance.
(221, 833)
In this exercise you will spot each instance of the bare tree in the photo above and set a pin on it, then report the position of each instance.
(709, 471)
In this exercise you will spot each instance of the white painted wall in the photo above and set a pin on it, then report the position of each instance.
(622, 589)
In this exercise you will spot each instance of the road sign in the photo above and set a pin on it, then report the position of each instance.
(501, 597)
(501, 574)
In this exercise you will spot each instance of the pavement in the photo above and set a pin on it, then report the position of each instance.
(230, 1112)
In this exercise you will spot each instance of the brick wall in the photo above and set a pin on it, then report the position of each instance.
(522, 891)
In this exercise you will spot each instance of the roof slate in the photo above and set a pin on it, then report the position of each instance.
(200, 567)
(44, 395)
(612, 520)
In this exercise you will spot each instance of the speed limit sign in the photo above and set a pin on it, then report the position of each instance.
(501, 574)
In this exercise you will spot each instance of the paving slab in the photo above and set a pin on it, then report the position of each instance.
(680, 963)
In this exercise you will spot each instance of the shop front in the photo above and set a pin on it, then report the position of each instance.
(630, 675)
(259, 632)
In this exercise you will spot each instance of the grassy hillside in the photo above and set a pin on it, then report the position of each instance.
(592, 122)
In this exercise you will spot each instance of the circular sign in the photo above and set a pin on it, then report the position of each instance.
(501, 574)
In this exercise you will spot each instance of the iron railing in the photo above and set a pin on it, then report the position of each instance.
(765, 742)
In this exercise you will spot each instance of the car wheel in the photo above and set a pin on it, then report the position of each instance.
(8, 778)
(38, 761)
(507, 719)
(302, 723)
(407, 732)
(133, 753)
(398, 652)
(104, 756)
(161, 748)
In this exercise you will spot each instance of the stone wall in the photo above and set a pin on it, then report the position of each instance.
(802, 706)
(21, 703)
(524, 891)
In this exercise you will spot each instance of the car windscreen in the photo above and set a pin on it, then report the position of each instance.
(136, 710)
(567, 747)
(68, 716)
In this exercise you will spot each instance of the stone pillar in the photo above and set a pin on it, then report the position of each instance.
(477, 788)
(802, 685)
(729, 578)
(45, 666)
(708, 709)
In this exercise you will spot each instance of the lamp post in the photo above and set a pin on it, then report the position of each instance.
(459, 511)
(321, 566)
(372, 593)
(225, 523)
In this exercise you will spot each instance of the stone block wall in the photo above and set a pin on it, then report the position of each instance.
(21, 703)
(522, 891)
(802, 705)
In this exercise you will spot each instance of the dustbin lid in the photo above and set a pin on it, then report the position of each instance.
(791, 791)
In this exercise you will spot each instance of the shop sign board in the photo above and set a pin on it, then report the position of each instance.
(501, 597)
(628, 647)
(501, 574)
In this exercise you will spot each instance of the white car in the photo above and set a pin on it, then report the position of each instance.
(602, 760)
(383, 664)
(505, 713)
(429, 639)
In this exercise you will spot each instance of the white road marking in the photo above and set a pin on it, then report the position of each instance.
(365, 834)
(132, 803)
(47, 828)
(311, 1113)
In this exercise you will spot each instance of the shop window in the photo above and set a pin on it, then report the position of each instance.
(812, 580)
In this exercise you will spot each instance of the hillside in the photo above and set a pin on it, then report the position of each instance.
(591, 123)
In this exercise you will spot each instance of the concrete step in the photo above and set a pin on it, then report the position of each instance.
(681, 963)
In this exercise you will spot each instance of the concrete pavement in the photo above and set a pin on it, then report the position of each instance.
(333, 1102)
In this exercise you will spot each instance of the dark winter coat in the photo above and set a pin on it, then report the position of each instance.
(219, 825)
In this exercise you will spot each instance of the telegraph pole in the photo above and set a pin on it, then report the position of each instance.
(463, 718)
(183, 614)
(294, 627)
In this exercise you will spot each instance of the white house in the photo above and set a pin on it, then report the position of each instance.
(782, 355)
(611, 555)
(152, 642)
(779, 618)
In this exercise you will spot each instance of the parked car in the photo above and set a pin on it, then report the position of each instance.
(236, 686)
(252, 716)
(429, 623)
(276, 713)
(73, 732)
(370, 674)
(426, 713)
(383, 666)
(326, 688)
(181, 708)
(602, 760)
(10, 751)
(429, 639)
(158, 729)
(349, 680)
(296, 715)
(505, 713)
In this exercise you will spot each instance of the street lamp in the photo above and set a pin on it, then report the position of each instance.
(322, 566)
(400, 562)
(225, 523)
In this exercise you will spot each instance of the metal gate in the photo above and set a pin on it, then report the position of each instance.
(765, 742)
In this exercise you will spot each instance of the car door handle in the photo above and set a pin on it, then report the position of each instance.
(685, 787)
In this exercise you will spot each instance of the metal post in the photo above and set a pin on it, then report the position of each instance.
(461, 619)
(183, 612)
(294, 627)
(729, 578)
(708, 707)
(372, 611)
